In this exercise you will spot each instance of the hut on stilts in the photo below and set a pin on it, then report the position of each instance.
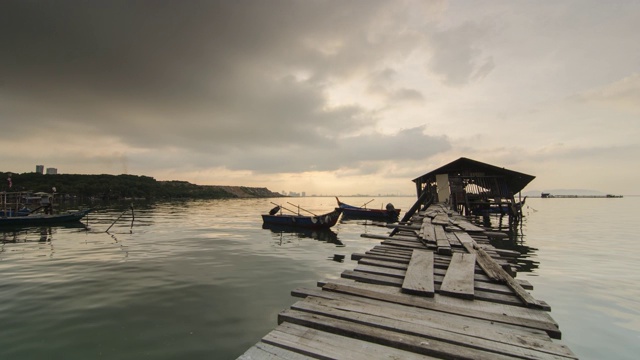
(473, 188)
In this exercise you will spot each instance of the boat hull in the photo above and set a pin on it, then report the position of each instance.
(324, 221)
(372, 214)
(43, 219)
(354, 212)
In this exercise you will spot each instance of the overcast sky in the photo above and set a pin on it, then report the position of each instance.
(323, 96)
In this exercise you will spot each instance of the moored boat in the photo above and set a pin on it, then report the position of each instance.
(323, 221)
(389, 213)
(43, 219)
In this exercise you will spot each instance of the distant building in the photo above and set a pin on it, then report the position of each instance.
(52, 171)
(40, 169)
(304, 194)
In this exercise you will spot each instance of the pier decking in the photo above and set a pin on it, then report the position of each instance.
(435, 288)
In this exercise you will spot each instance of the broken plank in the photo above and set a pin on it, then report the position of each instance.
(499, 313)
(451, 329)
(389, 277)
(385, 337)
(324, 345)
(270, 352)
(409, 244)
(517, 317)
(459, 279)
(503, 276)
(440, 219)
(419, 275)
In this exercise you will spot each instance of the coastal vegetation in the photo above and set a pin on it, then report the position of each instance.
(113, 187)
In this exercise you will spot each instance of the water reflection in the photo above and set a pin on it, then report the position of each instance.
(41, 233)
(515, 240)
(284, 234)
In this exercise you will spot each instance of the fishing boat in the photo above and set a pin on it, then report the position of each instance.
(324, 221)
(43, 219)
(15, 213)
(362, 212)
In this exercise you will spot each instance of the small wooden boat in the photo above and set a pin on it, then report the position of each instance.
(390, 213)
(43, 219)
(323, 221)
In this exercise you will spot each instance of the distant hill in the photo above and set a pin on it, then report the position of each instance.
(126, 186)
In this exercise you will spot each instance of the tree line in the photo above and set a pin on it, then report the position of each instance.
(110, 187)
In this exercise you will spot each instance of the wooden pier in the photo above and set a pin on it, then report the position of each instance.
(434, 289)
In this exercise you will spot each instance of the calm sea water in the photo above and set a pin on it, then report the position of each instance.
(203, 280)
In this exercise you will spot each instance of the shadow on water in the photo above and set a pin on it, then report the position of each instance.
(515, 241)
(284, 234)
(37, 233)
(367, 225)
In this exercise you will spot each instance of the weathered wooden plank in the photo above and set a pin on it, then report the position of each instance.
(387, 237)
(407, 255)
(440, 219)
(441, 240)
(414, 241)
(451, 329)
(427, 231)
(496, 332)
(398, 254)
(464, 238)
(503, 276)
(382, 263)
(324, 345)
(409, 244)
(514, 329)
(410, 234)
(438, 264)
(391, 280)
(439, 269)
(265, 351)
(419, 275)
(459, 280)
(440, 233)
(467, 226)
(482, 306)
(403, 341)
(356, 256)
(453, 240)
(438, 277)
(392, 249)
(396, 273)
(487, 264)
(474, 309)
(403, 226)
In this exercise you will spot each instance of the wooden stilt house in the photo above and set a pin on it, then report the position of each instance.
(471, 187)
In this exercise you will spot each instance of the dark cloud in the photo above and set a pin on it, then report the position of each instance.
(362, 151)
(245, 81)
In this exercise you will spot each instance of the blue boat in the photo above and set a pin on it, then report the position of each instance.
(323, 221)
(355, 212)
(43, 219)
